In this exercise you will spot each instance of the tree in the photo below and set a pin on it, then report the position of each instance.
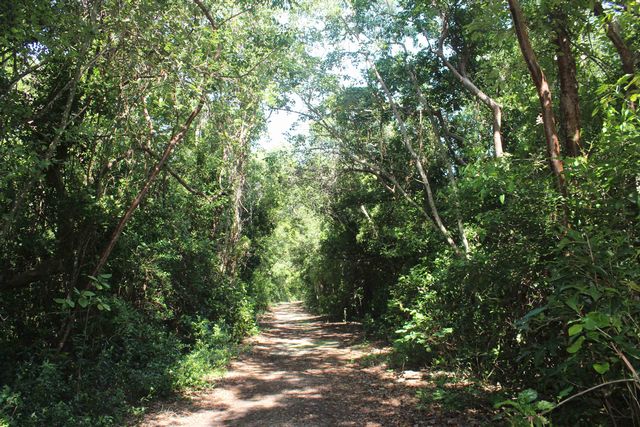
(460, 74)
(569, 100)
(544, 95)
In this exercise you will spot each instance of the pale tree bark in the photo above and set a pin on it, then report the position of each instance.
(569, 99)
(365, 212)
(544, 95)
(444, 154)
(417, 158)
(628, 57)
(495, 107)
(234, 231)
(385, 177)
(236, 155)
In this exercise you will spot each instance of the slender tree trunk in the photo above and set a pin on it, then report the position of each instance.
(175, 140)
(419, 165)
(569, 100)
(544, 94)
(237, 159)
(53, 146)
(496, 108)
(237, 176)
(614, 32)
(627, 56)
(445, 156)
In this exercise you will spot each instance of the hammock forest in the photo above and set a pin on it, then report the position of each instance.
(453, 184)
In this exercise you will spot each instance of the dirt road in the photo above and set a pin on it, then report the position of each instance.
(301, 371)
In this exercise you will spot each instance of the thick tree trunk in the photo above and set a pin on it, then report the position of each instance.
(544, 94)
(569, 100)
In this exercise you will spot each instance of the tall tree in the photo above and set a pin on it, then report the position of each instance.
(461, 75)
(544, 95)
(569, 100)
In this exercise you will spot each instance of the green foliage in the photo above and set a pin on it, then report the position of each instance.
(547, 294)
(209, 354)
(453, 393)
(92, 93)
(287, 237)
(526, 409)
(392, 210)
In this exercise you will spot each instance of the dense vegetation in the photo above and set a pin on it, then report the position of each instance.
(473, 197)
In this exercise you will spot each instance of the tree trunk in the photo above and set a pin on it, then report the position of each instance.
(614, 32)
(496, 109)
(237, 176)
(445, 157)
(175, 140)
(66, 120)
(569, 100)
(419, 165)
(544, 94)
(627, 56)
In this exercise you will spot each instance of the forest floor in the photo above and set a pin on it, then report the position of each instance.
(304, 371)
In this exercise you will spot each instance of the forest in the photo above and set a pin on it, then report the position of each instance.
(465, 183)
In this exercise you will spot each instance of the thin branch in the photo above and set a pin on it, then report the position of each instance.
(590, 389)
(178, 178)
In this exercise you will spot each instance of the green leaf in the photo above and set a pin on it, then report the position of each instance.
(577, 345)
(502, 197)
(103, 307)
(595, 320)
(528, 395)
(83, 302)
(564, 242)
(575, 329)
(544, 405)
(572, 302)
(565, 392)
(62, 301)
(533, 313)
(632, 285)
(601, 368)
(594, 293)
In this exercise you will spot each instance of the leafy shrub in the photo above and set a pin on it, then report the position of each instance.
(210, 353)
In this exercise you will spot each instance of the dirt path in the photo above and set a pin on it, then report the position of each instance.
(301, 371)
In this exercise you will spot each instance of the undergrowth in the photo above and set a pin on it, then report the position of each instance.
(145, 361)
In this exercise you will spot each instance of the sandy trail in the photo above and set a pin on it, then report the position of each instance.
(301, 371)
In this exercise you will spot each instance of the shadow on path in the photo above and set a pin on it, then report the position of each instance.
(301, 371)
